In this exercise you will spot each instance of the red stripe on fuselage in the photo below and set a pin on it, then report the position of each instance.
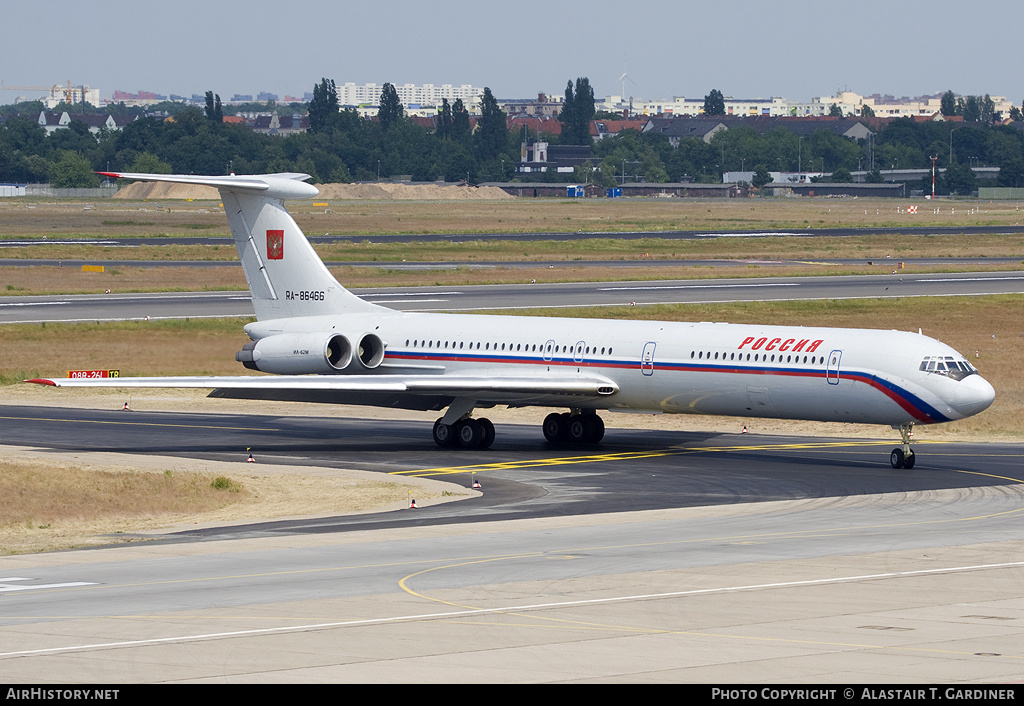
(895, 394)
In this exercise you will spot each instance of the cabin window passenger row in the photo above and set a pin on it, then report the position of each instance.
(519, 347)
(757, 357)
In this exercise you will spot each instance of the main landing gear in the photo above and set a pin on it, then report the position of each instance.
(566, 428)
(576, 427)
(466, 433)
(903, 457)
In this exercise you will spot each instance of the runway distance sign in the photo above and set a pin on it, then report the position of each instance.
(94, 374)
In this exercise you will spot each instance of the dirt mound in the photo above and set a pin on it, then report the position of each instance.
(420, 192)
(140, 190)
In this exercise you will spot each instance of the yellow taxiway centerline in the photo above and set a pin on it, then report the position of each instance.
(632, 456)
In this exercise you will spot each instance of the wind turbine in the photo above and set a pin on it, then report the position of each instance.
(622, 79)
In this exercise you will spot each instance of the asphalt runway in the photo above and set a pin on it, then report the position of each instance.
(525, 476)
(567, 236)
(655, 557)
(640, 263)
(113, 307)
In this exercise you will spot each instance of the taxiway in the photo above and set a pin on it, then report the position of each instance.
(114, 307)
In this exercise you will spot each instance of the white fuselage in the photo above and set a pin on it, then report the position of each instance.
(822, 374)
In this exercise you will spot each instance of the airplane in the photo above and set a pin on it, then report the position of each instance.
(322, 343)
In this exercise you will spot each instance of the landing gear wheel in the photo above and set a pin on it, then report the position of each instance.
(470, 433)
(579, 429)
(488, 432)
(904, 457)
(444, 435)
(555, 427)
(897, 459)
(573, 428)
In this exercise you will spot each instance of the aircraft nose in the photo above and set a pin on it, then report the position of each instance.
(973, 394)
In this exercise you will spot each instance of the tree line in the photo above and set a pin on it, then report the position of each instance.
(341, 146)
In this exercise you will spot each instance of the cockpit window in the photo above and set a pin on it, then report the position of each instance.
(948, 366)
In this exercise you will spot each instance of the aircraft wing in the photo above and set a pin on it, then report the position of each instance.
(495, 389)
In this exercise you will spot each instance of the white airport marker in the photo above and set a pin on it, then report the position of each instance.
(5, 588)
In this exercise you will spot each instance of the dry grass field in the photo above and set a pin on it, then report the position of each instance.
(40, 500)
(91, 499)
(118, 218)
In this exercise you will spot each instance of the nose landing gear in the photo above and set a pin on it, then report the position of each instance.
(903, 457)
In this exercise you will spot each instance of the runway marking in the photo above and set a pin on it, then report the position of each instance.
(137, 423)
(547, 606)
(684, 302)
(406, 301)
(589, 625)
(695, 286)
(53, 303)
(992, 475)
(534, 463)
(6, 588)
(409, 294)
(131, 318)
(634, 455)
(970, 279)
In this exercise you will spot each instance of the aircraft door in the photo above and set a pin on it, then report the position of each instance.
(832, 369)
(647, 358)
(549, 348)
(577, 354)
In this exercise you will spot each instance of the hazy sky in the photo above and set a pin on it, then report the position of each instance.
(797, 49)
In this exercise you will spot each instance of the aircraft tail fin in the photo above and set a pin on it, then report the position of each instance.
(286, 277)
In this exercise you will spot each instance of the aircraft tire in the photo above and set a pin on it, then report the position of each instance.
(908, 461)
(896, 458)
(444, 435)
(585, 429)
(554, 427)
(579, 429)
(470, 433)
(488, 428)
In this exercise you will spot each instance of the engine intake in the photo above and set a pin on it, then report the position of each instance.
(371, 350)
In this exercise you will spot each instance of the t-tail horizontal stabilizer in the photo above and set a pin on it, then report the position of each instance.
(285, 275)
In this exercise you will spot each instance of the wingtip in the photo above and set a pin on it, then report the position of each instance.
(41, 381)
